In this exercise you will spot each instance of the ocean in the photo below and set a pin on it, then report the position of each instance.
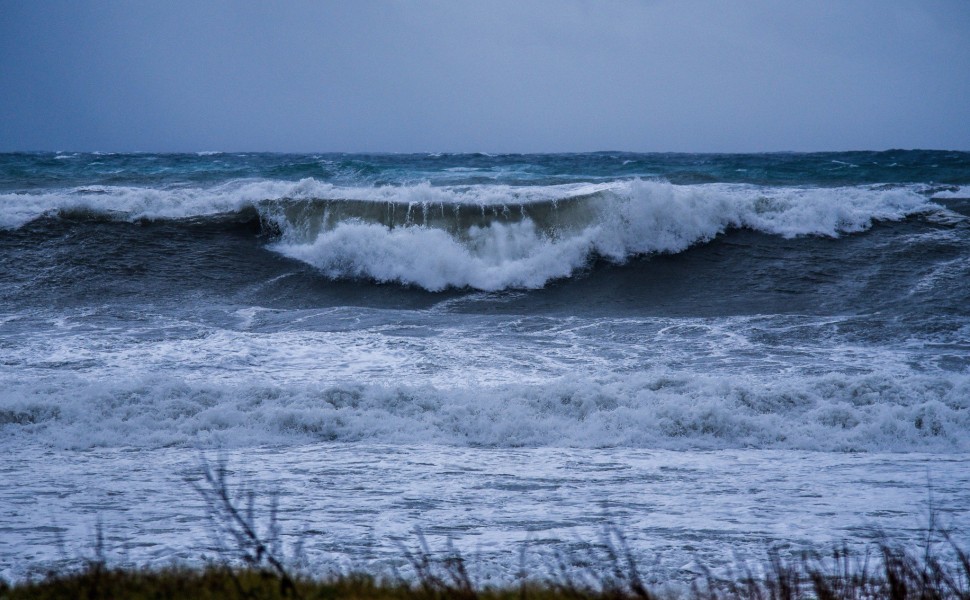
(715, 354)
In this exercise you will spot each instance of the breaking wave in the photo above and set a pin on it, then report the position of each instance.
(487, 237)
(527, 244)
(659, 408)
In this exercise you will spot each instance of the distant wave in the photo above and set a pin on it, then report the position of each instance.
(488, 237)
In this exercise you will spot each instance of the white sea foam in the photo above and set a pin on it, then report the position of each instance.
(958, 192)
(406, 377)
(616, 220)
(656, 408)
(636, 217)
(350, 506)
(176, 202)
(130, 202)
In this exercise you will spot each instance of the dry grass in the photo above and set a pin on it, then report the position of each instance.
(253, 568)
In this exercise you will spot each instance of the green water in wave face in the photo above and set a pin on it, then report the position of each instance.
(24, 171)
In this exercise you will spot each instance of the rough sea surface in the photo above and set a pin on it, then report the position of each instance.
(719, 354)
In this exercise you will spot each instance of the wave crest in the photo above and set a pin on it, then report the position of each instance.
(489, 237)
(525, 245)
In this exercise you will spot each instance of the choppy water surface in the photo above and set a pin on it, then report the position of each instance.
(716, 352)
(352, 506)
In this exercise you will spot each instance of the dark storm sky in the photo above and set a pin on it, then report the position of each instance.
(545, 75)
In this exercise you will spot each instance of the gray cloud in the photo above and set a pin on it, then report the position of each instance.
(494, 76)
